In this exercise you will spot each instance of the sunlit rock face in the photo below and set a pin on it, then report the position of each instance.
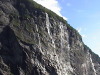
(36, 42)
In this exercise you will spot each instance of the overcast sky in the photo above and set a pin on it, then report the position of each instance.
(83, 15)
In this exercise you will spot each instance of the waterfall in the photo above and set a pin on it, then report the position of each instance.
(92, 65)
(91, 61)
(39, 41)
(48, 24)
(62, 34)
(48, 30)
(65, 43)
(64, 39)
(85, 65)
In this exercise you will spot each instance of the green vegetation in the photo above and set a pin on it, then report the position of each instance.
(32, 4)
(15, 22)
(14, 19)
(11, 74)
(28, 8)
(28, 27)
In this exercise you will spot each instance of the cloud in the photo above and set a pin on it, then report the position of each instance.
(84, 36)
(52, 5)
(80, 30)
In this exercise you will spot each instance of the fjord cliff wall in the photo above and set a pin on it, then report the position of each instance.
(35, 41)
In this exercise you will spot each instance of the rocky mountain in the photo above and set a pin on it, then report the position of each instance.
(36, 41)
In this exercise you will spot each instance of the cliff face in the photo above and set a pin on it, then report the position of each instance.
(35, 41)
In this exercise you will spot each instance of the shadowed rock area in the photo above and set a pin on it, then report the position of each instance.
(36, 41)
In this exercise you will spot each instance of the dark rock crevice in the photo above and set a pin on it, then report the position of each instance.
(10, 51)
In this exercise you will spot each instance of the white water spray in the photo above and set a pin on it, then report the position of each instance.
(48, 29)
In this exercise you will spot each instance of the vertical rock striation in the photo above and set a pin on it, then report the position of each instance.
(35, 41)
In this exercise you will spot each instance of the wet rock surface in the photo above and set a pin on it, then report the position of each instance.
(33, 42)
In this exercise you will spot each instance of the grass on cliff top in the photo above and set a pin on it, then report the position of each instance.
(35, 6)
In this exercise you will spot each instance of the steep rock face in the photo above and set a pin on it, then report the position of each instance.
(34, 41)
